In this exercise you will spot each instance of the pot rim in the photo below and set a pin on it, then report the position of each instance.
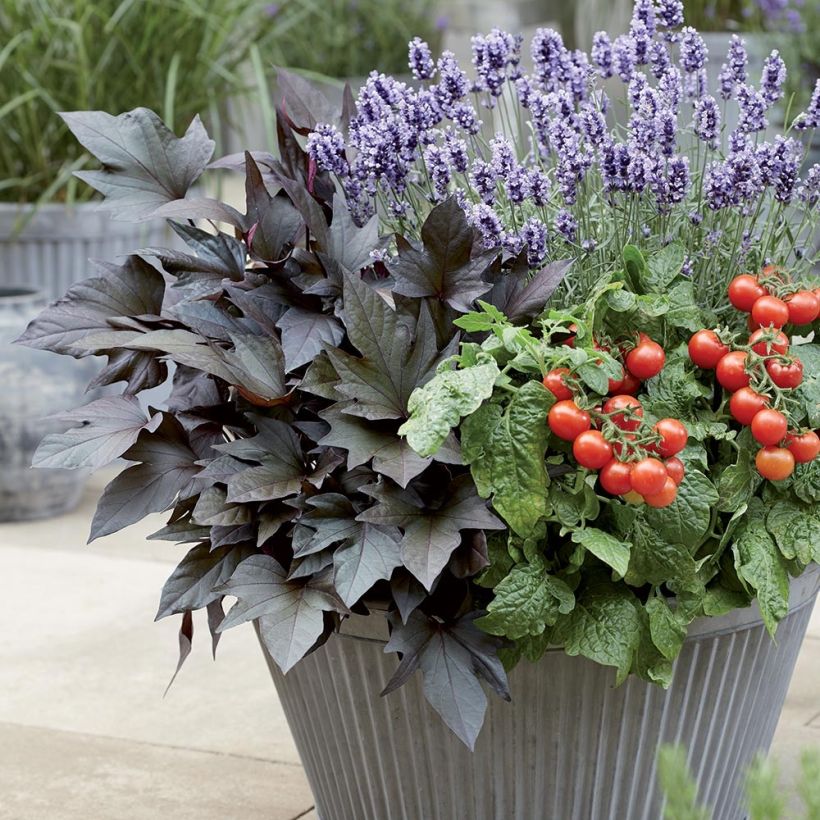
(802, 592)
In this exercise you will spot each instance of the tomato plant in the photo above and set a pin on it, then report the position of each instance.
(625, 412)
(675, 468)
(805, 447)
(745, 404)
(615, 477)
(673, 436)
(649, 476)
(787, 374)
(764, 341)
(666, 495)
(803, 307)
(645, 360)
(555, 382)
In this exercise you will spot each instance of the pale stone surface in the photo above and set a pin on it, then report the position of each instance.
(85, 731)
(68, 776)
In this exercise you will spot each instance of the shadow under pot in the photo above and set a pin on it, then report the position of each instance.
(34, 384)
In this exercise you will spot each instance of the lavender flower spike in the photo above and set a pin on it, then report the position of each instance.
(810, 118)
(774, 75)
(707, 120)
(693, 51)
(752, 110)
(670, 13)
(326, 147)
(534, 236)
(485, 220)
(421, 60)
(624, 57)
(566, 225)
(602, 53)
(733, 72)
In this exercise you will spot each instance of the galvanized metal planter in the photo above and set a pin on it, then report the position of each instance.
(51, 250)
(570, 746)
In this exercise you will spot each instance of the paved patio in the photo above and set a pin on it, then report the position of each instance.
(85, 731)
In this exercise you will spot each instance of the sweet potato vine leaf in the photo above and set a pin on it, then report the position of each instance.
(523, 297)
(193, 583)
(430, 534)
(290, 613)
(367, 553)
(444, 267)
(452, 657)
(398, 353)
(108, 427)
(167, 465)
(135, 288)
(145, 165)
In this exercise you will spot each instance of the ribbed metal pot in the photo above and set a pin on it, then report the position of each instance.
(570, 746)
(49, 251)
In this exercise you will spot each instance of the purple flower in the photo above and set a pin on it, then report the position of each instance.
(670, 88)
(695, 217)
(688, 264)
(550, 58)
(517, 185)
(693, 51)
(659, 60)
(667, 125)
(733, 72)
(482, 178)
(809, 190)
(503, 156)
(580, 75)
(774, 75)
(602, 53)
(452, 85)
(678, 177)
(670, 13)
(615, 161)
(465, 117)
(492, 54)
(593, 124)
(435, 160)
(752, 107)
(707, 120)
(642, 39)
(588, 245)
(566, 225)
(717, 187)
(637, 85)
(524, 89)
(696, 84)
(485, 220)
(810, 118)
(788, 155)
(456, 150)
(744, 176)
(623, 57)
(512, 242)
(534, 236)
(326, 147)
(539, 187)
(644, 11)
(421, 60)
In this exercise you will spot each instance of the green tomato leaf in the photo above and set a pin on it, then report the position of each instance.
(604, 626)
(606, 547)
(738, 482)
(809, 390)
(795, 529)
(507, 459)
(666, 627)
(686, 520)
(527, 601)
(759, 563)
(439, 406)
(665, 265)
(805, 481)
(654, 560)
(683, 311)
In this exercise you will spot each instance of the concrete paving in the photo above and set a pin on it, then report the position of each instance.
(85, 731)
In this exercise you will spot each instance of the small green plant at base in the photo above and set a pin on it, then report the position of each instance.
(765, 799)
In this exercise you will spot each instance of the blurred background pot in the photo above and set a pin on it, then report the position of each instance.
(48, 247)
(35, 384)
(570, 745)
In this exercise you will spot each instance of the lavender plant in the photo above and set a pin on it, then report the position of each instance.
(547, 164)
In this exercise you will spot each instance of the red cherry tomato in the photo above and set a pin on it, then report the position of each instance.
(731, 371)
(592, 450)
(567, 420)
(615, 385)
(803, 307)
(674, 436)
(787, 376)
(630, 385)
(706, 349)
(805, 447)
(745, 404)
(646, 360)
(774, 463)
(629, 420)
(649, 476)
(665, 497)
(615, 477)
(779, 344)
(744, 291)
(769, 311)
(554, 382)
(769, 426)
(674, 466)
